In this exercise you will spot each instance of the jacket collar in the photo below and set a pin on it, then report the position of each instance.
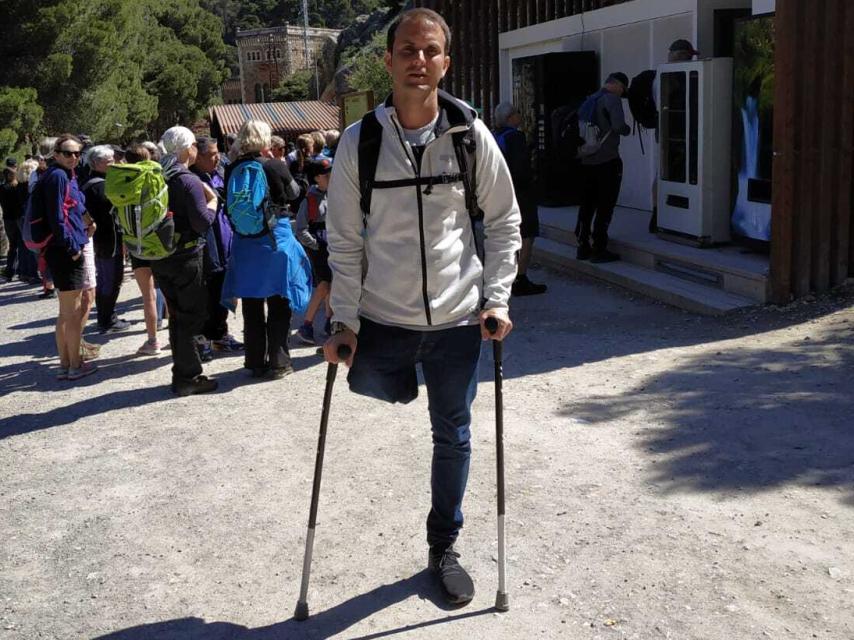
(453, 113)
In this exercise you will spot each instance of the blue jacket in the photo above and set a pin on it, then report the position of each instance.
(258, 269)
(64, 206)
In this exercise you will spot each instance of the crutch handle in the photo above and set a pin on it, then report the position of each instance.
(491, 324)
(344, 351)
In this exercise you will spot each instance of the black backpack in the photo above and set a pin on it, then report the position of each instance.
(370, 139)
(641, 100)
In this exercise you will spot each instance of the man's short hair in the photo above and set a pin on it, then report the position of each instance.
(277, 142)
(418, 14)
(205, 143)
(503, 111)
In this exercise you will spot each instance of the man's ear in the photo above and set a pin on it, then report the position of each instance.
(387, 60)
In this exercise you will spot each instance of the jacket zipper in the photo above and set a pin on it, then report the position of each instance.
(417, 168)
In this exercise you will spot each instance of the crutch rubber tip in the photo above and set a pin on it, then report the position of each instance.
(502, 601)
(301, 612)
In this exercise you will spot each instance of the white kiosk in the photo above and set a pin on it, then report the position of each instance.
(695, 124)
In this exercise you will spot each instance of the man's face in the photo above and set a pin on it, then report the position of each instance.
(68, 155)
(100, 166)
(278, 152)
(208, 160)
(417, 61)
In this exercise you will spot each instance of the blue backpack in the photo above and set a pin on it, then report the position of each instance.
(247, 200)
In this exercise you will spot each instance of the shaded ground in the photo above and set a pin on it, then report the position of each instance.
(669, 476)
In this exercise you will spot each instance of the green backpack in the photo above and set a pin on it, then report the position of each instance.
(141, 198)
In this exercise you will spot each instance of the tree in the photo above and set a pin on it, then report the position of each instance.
(297, 86)
(20, 116)
(368, 69)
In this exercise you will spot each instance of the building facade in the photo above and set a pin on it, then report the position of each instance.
(268, 55)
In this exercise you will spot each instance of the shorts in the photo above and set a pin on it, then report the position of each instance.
(530, 227)
(89, 273)
(67, 273)
(139, 263)
(320, 271)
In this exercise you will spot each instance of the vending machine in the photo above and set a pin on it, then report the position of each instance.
(545, 86)
(695, 126)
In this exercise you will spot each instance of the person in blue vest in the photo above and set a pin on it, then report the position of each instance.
(514, 146)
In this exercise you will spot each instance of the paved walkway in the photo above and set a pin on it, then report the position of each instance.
(669, 476)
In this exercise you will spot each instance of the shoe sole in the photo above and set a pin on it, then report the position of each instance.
(88, 372)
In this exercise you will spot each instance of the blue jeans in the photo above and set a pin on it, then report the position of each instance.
(384, 368)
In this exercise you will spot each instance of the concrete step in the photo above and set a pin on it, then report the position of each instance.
(689, 263)
(685, 294)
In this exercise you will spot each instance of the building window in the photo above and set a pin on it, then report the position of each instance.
(267, 92)
(278, 53)
(259, 96)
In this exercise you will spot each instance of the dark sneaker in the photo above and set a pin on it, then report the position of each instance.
(455, 582)
(118, 325)
(85, 369)
(583, 252)
(199, 384)
(228, 343)
(47, 293)
(306, 334)
(524, 287)
(604, 256)
(258, 372)
(277, 373)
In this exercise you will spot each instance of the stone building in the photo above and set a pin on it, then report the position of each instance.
(268, 55)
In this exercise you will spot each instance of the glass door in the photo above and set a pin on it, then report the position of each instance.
(674, 126)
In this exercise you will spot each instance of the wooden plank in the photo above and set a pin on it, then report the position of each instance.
(842, 265)
(782, 222)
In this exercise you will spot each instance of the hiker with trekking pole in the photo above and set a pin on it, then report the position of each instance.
(412, 280)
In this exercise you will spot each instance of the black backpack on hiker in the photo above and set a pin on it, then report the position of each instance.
(370, 139)
(642, 103)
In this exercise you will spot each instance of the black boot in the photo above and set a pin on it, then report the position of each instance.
(455, 582)
(199, 384)
(524, 287)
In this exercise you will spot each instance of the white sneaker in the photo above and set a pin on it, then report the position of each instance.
(149, 348)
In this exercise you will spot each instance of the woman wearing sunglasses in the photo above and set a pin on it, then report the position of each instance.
(64, 205)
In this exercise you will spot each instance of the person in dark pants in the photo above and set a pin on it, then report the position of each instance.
(109, 257)
(514, 146)
(13, 209)
(408, 285)
(602, 170)
(217, 248)
(180, 276)
(263, 268)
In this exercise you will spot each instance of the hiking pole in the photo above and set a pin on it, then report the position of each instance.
(301, 612)
(502, 600)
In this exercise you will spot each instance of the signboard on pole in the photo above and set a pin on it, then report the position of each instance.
(354, 106)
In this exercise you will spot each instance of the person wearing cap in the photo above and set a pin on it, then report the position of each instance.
(602, 170)
(181, 275)
(311, 232)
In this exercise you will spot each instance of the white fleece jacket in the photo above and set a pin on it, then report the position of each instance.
(421, 268)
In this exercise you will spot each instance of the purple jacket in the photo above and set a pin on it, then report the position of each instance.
(64, 206)
(188, 204)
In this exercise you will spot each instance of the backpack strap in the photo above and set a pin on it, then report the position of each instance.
(465, 149)
(370, 138)
(90, 182)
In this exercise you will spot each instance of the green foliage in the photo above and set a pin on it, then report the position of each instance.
(297, 86)
(368, 69)
(20, 118)
(755, 43)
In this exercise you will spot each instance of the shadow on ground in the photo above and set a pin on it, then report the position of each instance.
(749, 420)
(321, 624)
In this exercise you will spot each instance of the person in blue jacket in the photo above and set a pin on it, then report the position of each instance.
(59, 198)
(268, 269)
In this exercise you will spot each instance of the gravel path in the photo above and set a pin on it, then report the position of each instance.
(669, 476)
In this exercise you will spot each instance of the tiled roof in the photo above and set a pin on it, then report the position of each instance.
(283, 117)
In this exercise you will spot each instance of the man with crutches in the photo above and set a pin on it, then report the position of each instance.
(408, 284)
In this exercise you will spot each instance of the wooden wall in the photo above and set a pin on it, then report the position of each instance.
(812, 243)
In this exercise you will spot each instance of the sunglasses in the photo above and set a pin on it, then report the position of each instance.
(69, 154)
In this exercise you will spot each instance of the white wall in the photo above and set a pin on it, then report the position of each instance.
(764, 6)
(628, 37)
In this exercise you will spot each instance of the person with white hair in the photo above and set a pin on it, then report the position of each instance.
(109, 257)
(181, 276)
(268, 268)
(514, 147)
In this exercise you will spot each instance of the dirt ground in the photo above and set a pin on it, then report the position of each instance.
(669, 476)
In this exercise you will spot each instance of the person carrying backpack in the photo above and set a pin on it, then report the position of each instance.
(602, 167)
(424, 294)
(268, 267)
(180, 275)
